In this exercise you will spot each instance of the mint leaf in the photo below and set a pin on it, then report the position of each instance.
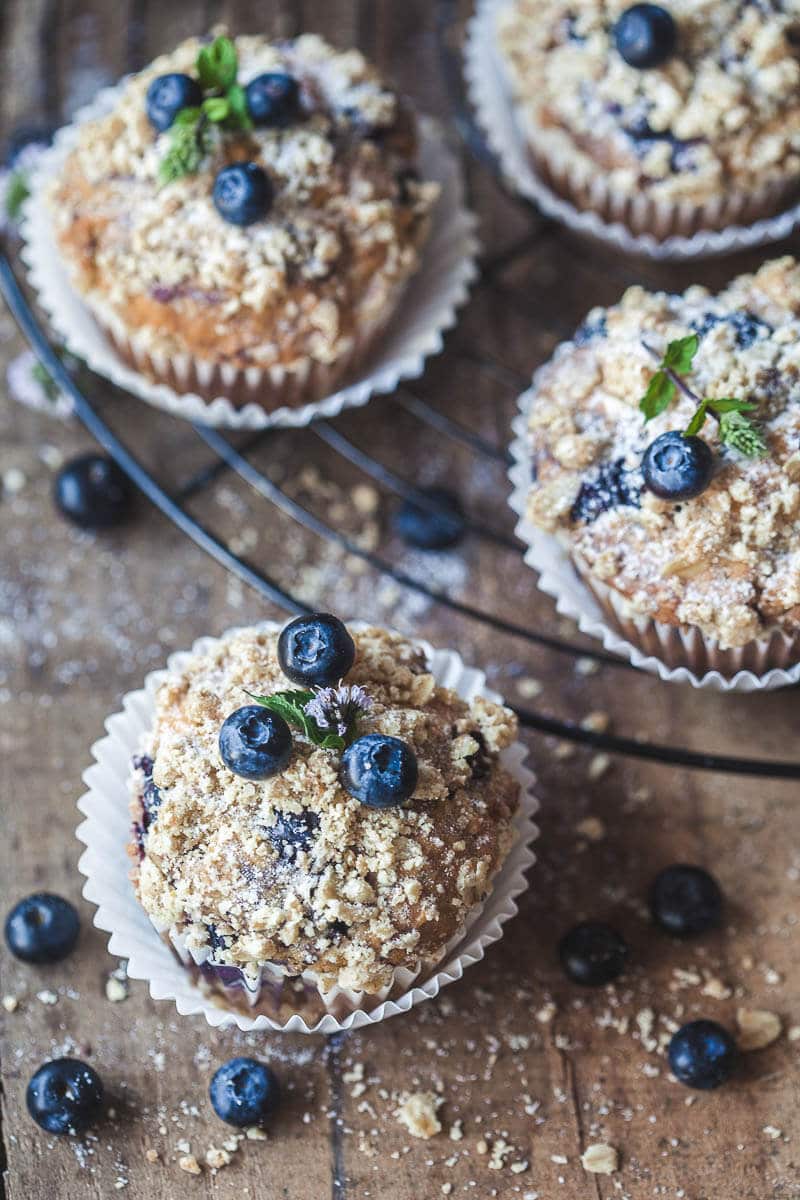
(679, 355)
(216, 108)
(217, 64)
(189, 145)
(238, 105)
(729, 404)
(16, 194)
(660, 393)
(698, 420)
(187, 116)
(738, 431)
(290, 706)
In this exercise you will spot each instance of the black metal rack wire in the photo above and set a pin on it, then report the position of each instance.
(229, 457)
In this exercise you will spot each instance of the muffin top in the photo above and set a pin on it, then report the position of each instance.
(721, 110)
(345, 211)
(728, 560)
(293, 870)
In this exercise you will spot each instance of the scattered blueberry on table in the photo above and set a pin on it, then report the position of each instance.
(255, 743)
(646, 36)
(677, 467)
(167, 95)
(273, 99)
(702, 1055)
(65, 1096)
(436, 528)
(42, 928)
(316, 651)
(93, 492)
(593, 953)
(244, 1092)
(685, 900)
(242, 193)
(379, 771)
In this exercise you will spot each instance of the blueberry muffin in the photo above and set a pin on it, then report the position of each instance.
(663, 447)
(315, 819)
(245, 219)
(669, 118)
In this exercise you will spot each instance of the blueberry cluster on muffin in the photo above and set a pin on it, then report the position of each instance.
(669, 117)
(664, 446)
(312, 807)
(244, 220)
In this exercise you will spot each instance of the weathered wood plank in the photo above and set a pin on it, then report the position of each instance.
(516, 1054)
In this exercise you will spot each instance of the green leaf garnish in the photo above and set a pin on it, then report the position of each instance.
(738, 431)
(16, 194)
(291, 706)
(217, 64)
(735, 428)
(659, 395)
(679, 355)
(190, 142)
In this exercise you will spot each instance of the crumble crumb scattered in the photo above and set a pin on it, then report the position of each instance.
(189, 1164)
(600, 1159)
(10, 1003)
(417, 1112)
(47, 997)
(757, 1028)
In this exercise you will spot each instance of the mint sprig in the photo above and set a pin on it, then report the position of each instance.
(291, 706)
(190, 141)
(735, 427)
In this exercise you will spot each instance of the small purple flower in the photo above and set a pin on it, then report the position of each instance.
(336, 709)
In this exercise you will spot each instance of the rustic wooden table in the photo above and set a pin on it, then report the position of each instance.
(530, 1070)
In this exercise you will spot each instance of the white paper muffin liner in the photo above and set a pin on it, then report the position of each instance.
(677, 654)
(106, 833)
(670, 229)
(427, 308)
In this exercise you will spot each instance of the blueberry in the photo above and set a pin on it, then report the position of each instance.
(292, 832)
(255, 743)
(379, 771)
(93, 492)
(242, 193)
(65, 1096)
(592, 953)
(216, 941)
(273, 99)
(244, 1092)
(42, 928)
(645, 35)
(747, 327)
(589, 330)
(676, 467)
(612, 487)
(151, 795)
(685, 900)
(702, 1054)
(167, 95)
(435, 528)
(316, 651)
(25, 136)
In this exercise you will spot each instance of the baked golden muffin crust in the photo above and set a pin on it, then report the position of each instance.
(726, 562)
(299, 291)
(292, 872)
(720, 114)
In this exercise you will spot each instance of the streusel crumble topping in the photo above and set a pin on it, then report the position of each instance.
(292, 871)
(722, 112)
(346, 225)
(728, 561)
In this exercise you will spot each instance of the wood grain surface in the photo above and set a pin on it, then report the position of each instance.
(529, 1070)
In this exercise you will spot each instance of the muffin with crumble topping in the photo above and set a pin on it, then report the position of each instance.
(660, 449)
(316, 820)
(669, 118)
(244, 221)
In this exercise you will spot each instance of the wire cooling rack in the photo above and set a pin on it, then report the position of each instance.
(225, 455)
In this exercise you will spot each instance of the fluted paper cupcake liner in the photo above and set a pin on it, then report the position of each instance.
(163, 963)
(676, 653)
(381, 357)
(635, 225)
